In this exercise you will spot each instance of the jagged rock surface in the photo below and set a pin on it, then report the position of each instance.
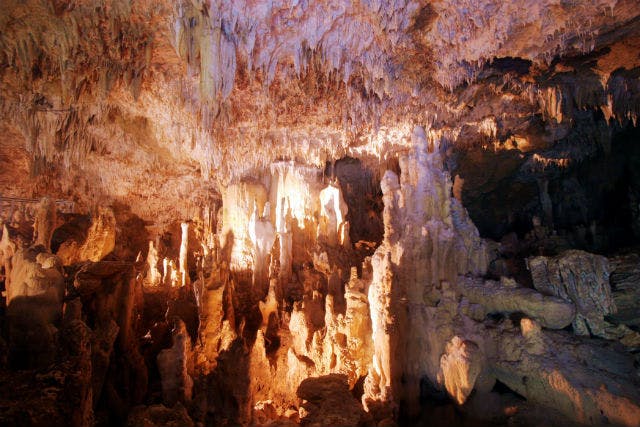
(567, 374)
(550, 312)
(100, 240)
(175, 365)
(35, 289)
(579, 277)
(625, 284)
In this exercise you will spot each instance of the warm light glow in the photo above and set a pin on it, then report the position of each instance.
(294, 193)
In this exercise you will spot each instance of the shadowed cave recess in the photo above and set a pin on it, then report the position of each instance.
(332, 213)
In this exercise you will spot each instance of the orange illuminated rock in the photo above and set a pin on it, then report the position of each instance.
(100, 240)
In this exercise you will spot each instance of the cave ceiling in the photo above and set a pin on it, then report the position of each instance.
(158, 104)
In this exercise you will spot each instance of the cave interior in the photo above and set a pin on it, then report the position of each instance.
(338, 213)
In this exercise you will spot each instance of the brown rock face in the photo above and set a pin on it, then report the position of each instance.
(551, 312)
(579, 277)
(329, 403)
(100, 240)
(34, 307)
(175, 365)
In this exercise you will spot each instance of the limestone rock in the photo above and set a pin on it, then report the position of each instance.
(328, 402)
(100, 241)
(582, 278)
(175, 365)
(552, 312)
(159, 416)
(34, 306)
(45, 223)
(589, 382)
(461, 364)
(625, 285)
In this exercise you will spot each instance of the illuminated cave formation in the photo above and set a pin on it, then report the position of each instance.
(320, 213)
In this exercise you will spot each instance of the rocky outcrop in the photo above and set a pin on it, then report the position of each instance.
(582, 278)
(508, 297)
(590, 382)
(35, 289)
(625, 286)
(328, 402)
(100, 240)
(460, 366)
(176, 367)
(159, 416)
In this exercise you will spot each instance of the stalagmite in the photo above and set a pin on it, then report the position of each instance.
(184, 247)
(34, 306)
(460, 364)
(269, 306)
(285, 241)
(45, 222)
(239, 201)
(175, 365)
(154, 277)
(7, 250)
(333, 211)
(263, 236)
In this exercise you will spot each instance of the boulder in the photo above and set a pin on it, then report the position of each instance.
(582, 278)
(328, 402)
(625, 285)
(159, 416)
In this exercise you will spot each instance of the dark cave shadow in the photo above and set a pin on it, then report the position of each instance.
(328, 401)
(222, 397)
